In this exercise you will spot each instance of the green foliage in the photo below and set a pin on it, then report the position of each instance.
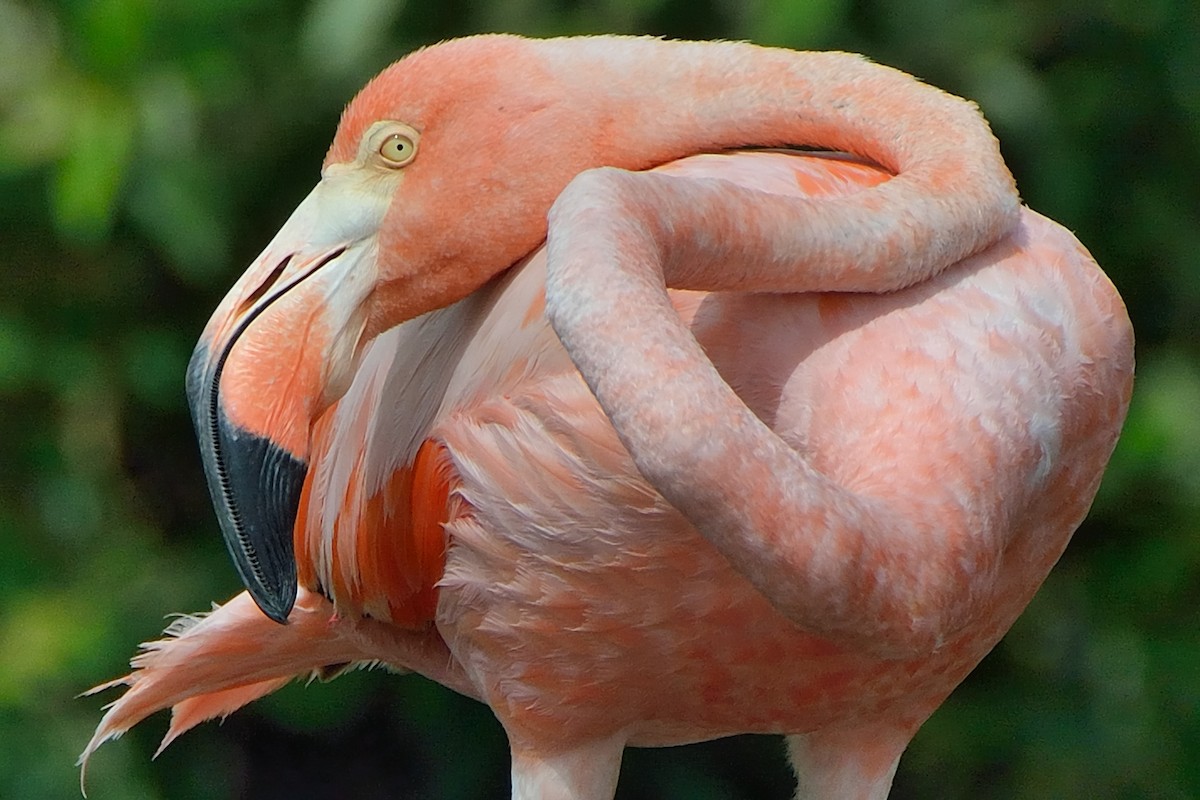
(147, 152)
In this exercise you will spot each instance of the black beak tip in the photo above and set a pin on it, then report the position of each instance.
(255, 487)
(277, 605)
(261, 489)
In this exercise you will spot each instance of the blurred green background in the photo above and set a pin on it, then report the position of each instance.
(148, 150)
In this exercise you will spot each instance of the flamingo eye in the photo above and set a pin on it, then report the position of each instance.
(397, 150)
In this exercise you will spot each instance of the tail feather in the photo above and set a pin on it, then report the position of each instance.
(210, 665)
(189, 713)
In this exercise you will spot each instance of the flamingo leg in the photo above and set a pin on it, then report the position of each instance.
(583, 773)
(847, 764)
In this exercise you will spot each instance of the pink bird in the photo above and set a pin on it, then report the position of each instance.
(766, 441)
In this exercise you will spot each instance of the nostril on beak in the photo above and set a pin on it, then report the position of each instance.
(263, 287)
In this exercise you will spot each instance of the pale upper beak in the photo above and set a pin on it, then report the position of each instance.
(279, 349)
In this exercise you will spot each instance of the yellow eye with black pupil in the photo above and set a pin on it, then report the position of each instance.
(397, 150)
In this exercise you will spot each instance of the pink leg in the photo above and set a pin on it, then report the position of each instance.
(854, 764)
(583, 773)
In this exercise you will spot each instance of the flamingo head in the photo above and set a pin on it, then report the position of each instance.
(439, 178)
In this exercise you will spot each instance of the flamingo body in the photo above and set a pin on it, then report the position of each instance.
(477, 510)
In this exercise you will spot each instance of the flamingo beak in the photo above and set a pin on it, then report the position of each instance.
(278, 350)
(255, 487)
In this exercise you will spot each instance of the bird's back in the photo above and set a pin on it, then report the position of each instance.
(581, 601)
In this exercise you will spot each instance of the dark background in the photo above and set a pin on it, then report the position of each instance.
(148, 150)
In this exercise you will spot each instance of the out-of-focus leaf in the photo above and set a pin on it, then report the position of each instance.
(175, 205)
(154, 361)
(35, 130)
(168, 115)
(808, 24)
(1163, 429)
(17, 353)
(98, 150)
(113, 33)
(29, 50)
(339, 36)
(39, 635)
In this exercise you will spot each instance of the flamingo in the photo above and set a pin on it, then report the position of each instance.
(582, 385)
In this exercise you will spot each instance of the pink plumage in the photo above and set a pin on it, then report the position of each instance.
(760, 442)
